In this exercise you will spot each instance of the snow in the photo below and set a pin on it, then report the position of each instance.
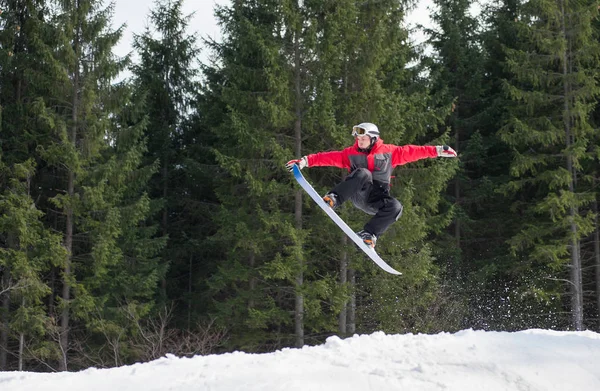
(468, 360)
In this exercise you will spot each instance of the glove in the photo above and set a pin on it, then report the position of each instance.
(301, 163)
(445, 151)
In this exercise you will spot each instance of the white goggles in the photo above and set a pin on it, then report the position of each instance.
(358, 131)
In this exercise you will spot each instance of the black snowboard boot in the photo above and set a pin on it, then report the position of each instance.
(332, 200)
(368, 238)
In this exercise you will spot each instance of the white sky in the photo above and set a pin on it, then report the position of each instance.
(135, 14)
(466, 361)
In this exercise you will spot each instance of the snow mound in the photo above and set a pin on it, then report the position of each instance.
(468, 360)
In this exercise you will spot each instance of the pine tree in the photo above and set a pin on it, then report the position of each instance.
(166, 77)
(554, 88)
(591, 246)
(29, 252)
(28, 72)
(495, 283)
(466, 69)
(126, 248)
(457, 73)
(86, 198)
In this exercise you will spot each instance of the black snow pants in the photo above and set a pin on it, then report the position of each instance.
(372, 198)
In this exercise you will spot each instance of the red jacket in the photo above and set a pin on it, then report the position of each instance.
(380, 161)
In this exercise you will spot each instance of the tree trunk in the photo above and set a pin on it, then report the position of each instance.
(457, 226)
(165, 217)
(343, 317)
(4, 320)
(299, 305)
(252, 282)
(70, 223)
(597, 258)
(52, 280)
(351, 328)
(576, 285)
(344, 277)
(21, 343)
(190, 284)
(66, 290)
(12, 243)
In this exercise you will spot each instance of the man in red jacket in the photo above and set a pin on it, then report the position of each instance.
(370, 163)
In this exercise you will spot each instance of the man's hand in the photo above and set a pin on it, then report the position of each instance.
(445, 151)
(301, 163)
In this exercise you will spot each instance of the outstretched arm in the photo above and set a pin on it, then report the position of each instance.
(321, 159)
(411, 153)
(328, 159)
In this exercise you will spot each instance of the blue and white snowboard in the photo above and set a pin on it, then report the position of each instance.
(337, 219)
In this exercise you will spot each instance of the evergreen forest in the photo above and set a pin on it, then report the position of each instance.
(145, 206)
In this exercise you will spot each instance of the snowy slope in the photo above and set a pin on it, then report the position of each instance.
(468, 360)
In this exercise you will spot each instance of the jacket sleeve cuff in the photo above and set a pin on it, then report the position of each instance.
(308, 158)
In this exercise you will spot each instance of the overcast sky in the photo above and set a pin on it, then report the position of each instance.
(135, 14)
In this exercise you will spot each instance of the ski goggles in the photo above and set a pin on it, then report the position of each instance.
(358, 131)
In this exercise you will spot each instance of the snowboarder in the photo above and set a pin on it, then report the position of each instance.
(370, 163)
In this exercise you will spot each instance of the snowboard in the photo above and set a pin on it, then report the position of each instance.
(341, 223)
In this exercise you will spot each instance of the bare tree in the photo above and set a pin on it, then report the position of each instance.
(155, 338)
